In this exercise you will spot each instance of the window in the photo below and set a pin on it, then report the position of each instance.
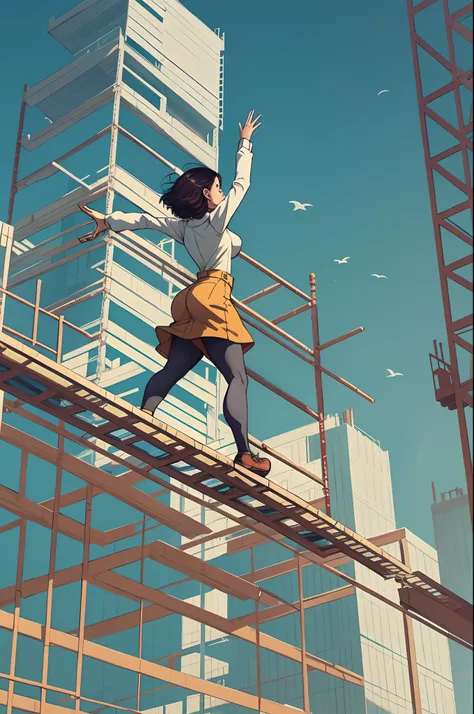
(312, 447)
(146, 55)
(149, 9)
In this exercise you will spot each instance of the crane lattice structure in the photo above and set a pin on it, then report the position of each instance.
(444, 87)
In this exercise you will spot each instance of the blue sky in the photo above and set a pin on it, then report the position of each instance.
(329, 140)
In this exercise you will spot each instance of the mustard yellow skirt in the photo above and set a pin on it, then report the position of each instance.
(205, 309)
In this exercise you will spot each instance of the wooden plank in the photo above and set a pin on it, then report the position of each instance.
(206, 573)
(235, 545)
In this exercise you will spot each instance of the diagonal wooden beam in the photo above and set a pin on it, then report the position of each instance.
(248, 634)
(150, 669)
(108, 484)
(208, 574)
(23, 507)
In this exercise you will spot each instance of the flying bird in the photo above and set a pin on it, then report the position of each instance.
(344, 260)
(393, 374)
(299, 206)
(382, 91)
(375, 275)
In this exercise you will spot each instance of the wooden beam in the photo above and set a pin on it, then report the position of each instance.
(26, 704)
(282, 610)
(208, 574)
(155, 612)
(134, 664)
(408, 630)
(23, 507)
(248, 634)
(235, 545)
(108, 484)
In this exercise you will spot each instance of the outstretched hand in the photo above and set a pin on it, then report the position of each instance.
(100, 227)
(250, 125)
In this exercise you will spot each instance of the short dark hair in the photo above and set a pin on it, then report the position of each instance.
(185, 198)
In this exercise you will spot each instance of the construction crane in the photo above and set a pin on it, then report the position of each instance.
(451, 377)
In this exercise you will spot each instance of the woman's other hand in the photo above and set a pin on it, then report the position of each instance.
(250, 125)
(99, 218)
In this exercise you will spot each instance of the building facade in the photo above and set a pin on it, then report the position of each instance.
(356, 631)
(140, 98)
(453, 537)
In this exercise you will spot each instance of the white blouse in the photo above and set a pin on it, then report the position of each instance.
(208, 240)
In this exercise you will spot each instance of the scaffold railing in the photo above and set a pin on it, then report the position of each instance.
(46, 385)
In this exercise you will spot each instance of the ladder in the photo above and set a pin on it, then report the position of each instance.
(47, 385)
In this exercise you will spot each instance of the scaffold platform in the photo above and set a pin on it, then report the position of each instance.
(49, 386)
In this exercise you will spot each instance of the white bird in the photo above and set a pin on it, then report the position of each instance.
(393, 374)
(48, 119)
(344, 260)
(382, 91)
(29, 136)
(374, 275)
(299, 206)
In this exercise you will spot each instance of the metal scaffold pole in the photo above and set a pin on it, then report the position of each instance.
(16, 161)
(319, 391)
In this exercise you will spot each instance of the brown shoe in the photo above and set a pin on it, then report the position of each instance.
(253, 462)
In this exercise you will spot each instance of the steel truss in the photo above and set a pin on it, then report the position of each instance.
(450, 222)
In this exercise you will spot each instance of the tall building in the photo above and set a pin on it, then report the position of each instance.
(453, 537)
(140, 98)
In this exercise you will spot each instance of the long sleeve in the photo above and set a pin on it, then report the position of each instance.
(221, 215)
(119, 221)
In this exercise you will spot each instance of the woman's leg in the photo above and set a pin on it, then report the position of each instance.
(229, 360)
(183, 356)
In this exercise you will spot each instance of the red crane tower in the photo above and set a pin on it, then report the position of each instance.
(444, 88)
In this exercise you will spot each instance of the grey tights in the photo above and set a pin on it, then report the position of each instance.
(229, 360)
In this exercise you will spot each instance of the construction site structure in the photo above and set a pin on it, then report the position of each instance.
(358, 631)
(453, 539)
(95, 600)
(441, 39)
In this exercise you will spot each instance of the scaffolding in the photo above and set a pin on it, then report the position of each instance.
(164, 481)
(444, 93)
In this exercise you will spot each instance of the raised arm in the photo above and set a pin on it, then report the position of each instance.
(119, 221)
(224, 211)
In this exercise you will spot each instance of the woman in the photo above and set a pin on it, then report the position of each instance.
(205, 320)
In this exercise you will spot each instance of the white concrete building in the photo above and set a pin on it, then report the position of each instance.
(453, 537)
(358, 632)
